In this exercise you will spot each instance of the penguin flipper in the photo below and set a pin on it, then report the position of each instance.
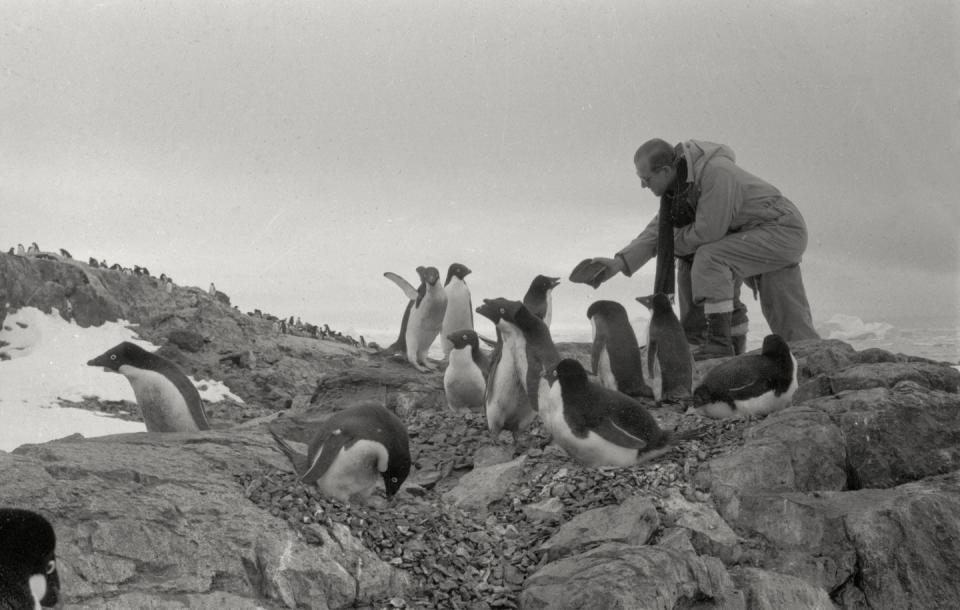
(487, 340)
(613, 433)
(325, 450)
(298, 460)
(651, 357)
(404, 285)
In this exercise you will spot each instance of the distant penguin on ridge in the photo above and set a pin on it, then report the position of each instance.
(168, 400)
(351, 450)
(423, 317)
(28, 563)
(750, 384)
(615, 357)
(459, 313)
(539, 297)
(20, 250)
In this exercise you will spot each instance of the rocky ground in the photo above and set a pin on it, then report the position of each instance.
(849, 498)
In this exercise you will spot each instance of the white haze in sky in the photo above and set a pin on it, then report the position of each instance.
(293, 152)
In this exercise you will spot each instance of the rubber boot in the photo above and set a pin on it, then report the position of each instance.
(719, 343)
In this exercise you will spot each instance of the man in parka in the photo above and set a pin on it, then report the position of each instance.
(735, 227)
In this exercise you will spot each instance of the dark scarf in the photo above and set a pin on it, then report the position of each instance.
(678, 207)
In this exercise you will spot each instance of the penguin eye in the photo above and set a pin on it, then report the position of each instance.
(51, 566)
(393, 479)
(113, 356)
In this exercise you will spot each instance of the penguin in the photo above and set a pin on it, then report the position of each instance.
(351, 450)
(464, 381)
(28, 563)
(10, 251)
(423, 317)
(615, 357)
(459, 312)
(505, 399)
(535, 353)
(212, 291)
(93, 262)
(600, 427)
(20, 250)
(34, 248)
(168, 401)
(538, 298)
(752, 384)
(667, 345)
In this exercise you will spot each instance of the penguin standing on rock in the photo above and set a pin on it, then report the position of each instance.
(353, 449)
(539, 297)
(615, 357)
(459, 313)
(505, 397)
(168, 401)
(465, 378)
(667, 346)
(599, 426)
(752, 384)
(28, 564)
(537, 354)
(423, 317)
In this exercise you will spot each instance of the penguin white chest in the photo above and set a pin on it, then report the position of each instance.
(458, 314)
(463, 381)
(604, 371)
(163, 407)
(355, 471)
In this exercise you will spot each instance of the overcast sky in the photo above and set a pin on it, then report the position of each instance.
(293, 152)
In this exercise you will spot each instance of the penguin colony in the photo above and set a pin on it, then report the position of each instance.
(600, 420)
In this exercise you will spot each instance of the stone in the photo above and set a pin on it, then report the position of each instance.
(481, 486)
(625, 576)
(187, 340)
(709, 533)
(550, 509)
(631, 522)
(129, 508)
(772, 591)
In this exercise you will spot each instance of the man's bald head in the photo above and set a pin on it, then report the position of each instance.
(657, 153)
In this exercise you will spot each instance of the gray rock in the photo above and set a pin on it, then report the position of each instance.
(617, 576)
(632, 522)
(162, 517)
(481, 486)
(550, 509)
(709, 533)
(772, 591)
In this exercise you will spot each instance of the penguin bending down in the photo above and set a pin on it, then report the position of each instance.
(423, 317)
(168, 401)
(459, 313)
(28, 564)
(505, 398)
(748, 385)
(667, 345)
(599, 426)
(539, 298)
(351, 450)
(615, 357)
(464, 381)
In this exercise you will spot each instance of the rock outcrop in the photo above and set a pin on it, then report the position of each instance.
(847, 499)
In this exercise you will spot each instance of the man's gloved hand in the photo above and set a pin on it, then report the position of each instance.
(595, 271)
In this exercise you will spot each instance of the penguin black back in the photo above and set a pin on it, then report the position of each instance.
(537, 297)
(614, 335)
(28, 566)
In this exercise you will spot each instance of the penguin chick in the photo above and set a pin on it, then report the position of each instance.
(464, 380)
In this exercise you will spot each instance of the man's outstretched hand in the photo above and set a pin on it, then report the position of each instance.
(595, 271)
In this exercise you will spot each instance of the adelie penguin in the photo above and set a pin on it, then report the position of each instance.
(667, 346)
(28, 563)
(536, 353)
(615, 357)
(539, 297)
(351, 451)
(505, 398)
(464, 381)
(423, 317)
(168, 401)
(600, 427)
(751, 384)
(459, 313)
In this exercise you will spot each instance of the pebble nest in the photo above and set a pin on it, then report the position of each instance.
(465, 560)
